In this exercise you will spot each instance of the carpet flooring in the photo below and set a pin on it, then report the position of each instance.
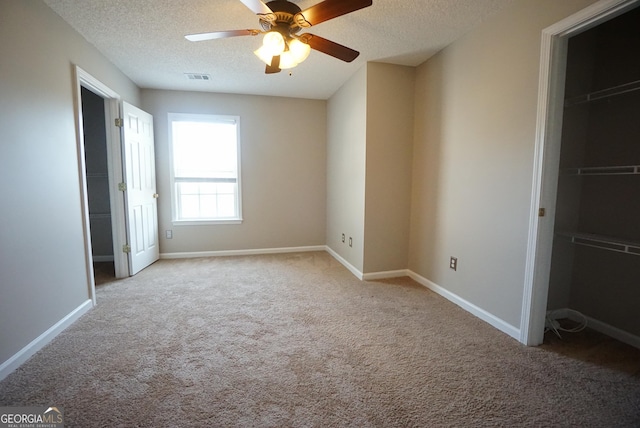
(294, 340)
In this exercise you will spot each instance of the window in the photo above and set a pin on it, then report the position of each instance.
(205, 168)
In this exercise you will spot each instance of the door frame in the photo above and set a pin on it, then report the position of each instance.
(547, 158)
(114, 162)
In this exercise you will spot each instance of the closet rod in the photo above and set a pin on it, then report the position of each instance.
(605, 170)
(603, 242)
(603, 93)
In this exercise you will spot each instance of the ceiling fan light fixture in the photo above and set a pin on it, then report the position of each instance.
(299, 50)
(273, 42)
(281, 20)
(263, 54)
(287, 60)
(293, 53)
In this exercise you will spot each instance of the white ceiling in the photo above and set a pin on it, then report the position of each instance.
(145, 39)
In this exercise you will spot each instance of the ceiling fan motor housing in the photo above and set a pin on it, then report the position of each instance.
(282, 19)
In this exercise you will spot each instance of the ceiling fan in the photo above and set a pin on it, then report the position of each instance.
(281, 21)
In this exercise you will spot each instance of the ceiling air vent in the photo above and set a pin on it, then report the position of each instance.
(197, 76)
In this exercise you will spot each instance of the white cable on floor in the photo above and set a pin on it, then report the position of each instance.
(552, 324)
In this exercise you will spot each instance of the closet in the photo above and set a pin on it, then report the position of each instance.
(95, 146)
(595, 267)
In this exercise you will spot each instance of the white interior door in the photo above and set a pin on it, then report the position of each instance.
(140, 193)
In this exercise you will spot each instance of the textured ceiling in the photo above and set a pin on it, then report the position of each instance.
(145, 39)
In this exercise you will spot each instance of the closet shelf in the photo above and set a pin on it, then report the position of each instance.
(99, 215)
(603, 242)
(605, 170)
(603, 93)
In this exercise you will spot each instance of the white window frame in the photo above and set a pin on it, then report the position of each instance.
(208, 118)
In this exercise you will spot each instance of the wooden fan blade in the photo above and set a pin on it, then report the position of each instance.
(274, 67)
(221, 35)
(327, 10)
(328, 47)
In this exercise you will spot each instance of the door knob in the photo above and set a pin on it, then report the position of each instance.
(155, 196)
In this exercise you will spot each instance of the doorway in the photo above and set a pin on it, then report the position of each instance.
(98, 189)
(130, 168)
(551, 104)
(100, 93)
(595, 265)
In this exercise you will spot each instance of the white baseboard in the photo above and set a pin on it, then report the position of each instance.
(597, 325)
(385, 274)
(41, 341)
(616, 333)
(468, 306)
(487, 317)
(371, 276)
(345, 263)
(25, 353)
(558, 314)
(250, 252)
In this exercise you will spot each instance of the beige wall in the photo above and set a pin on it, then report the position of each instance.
(283, 171)
(388, 166)
(473, 155)
(346, 149)
(42, 260)
(370, 136)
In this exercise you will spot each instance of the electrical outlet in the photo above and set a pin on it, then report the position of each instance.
(350, 242)
(343, 238)
(168, 234)
(453, 263)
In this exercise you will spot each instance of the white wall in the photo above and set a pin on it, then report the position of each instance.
(283, 169)
(473, 157)
(42, 261)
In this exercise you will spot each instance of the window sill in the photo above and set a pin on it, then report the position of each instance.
(205, 222)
